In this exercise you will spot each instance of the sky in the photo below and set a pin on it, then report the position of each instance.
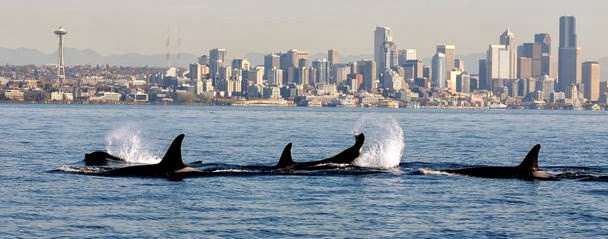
(264, 26)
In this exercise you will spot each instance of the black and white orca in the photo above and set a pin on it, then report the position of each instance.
(528, 169)
(345, 157)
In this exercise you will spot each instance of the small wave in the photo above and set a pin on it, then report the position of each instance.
(430, 171)
(233, 171)
(384, 142)
(80, 169)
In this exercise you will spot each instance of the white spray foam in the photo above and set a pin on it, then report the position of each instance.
(77, 169)
(127, 142)
(384, 141)
(430, 171)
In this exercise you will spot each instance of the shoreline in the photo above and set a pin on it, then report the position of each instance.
(256, 103)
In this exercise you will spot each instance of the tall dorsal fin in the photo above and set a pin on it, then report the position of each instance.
(173, 157)
(359, 139)
(286, 159)
(530, 162)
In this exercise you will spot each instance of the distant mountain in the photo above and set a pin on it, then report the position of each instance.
(25, 56)
(257, 58)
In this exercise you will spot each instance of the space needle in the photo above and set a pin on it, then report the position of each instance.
(60, 67)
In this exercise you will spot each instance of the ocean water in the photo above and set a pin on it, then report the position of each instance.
(399, 192)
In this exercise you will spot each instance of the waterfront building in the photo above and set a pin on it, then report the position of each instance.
(547, 86)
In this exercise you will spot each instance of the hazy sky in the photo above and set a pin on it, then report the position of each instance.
(142, 26)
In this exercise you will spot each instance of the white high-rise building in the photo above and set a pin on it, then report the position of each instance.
(498, 66)
(382, 40)
(507, 39)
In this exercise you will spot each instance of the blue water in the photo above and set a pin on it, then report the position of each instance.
(37, 200)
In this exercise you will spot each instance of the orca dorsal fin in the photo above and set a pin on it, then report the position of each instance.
(173, 157)
(530, 162)
(286, 159)
(359, 139)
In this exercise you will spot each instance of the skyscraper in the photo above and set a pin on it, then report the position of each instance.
(382, 40)
(368, 69)
(404, 55)
(507, 38)
(497, 61)
(567, 32)
(438, 67)
(569, 55)
(449, 52)
(333, 57)
(532, 51)
(271, 61)
(289, 63)
(591, 80)
(545, 44)
(484, 82)
(217, 57)
(321, 67)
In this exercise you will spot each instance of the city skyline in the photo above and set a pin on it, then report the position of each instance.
(134, 27)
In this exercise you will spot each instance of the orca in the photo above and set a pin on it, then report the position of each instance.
(345, 157)
(170, 166)
(101, 158)
(528, 169)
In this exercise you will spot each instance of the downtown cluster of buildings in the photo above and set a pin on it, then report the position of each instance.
(517, 76)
